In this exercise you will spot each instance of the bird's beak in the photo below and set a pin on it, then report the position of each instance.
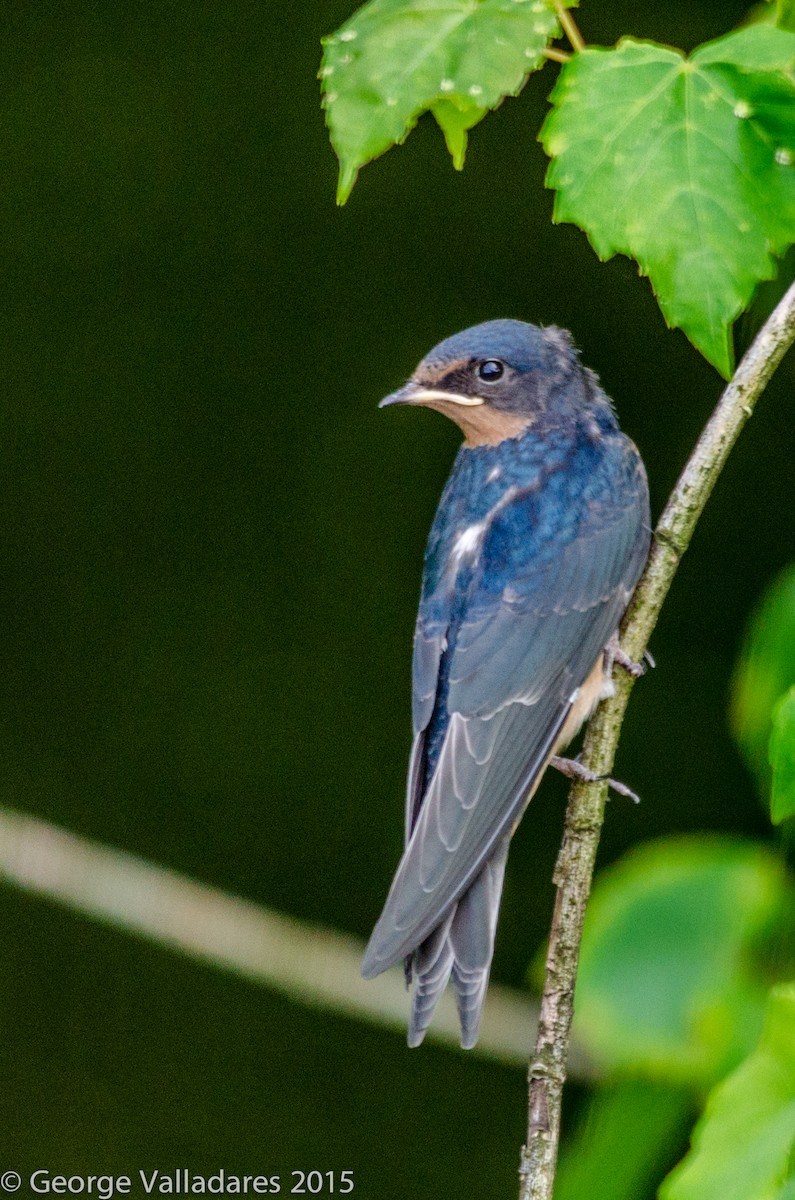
(414, 393)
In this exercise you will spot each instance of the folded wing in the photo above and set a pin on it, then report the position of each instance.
(540, 606)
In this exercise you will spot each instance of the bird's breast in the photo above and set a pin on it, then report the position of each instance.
(598, 686)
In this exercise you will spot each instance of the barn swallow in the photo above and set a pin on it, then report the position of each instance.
(537, 545)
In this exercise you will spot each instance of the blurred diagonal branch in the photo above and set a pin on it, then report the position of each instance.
(585, 811)
(312, 965)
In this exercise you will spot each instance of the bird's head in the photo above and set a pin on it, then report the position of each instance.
(493, 379)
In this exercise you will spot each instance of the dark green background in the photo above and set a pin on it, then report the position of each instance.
(211, 548)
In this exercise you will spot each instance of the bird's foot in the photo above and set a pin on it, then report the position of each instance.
(572, 768)
(615, 654)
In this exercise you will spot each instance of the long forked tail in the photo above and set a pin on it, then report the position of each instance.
(461, 946)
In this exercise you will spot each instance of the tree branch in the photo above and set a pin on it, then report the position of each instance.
(585, 810)
(556, 55)
(569, 26)
(311, 964)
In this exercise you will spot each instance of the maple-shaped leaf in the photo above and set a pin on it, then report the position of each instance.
(685, 164)
(395, 59)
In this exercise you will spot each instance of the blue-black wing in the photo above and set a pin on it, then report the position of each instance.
(547, 590)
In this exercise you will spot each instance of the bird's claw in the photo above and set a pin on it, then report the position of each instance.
(572, 768)
(615, 654)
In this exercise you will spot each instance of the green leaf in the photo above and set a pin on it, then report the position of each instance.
(455, 120)
(785, 14)
(782, 759)
(684, 164)
(394, 59)
(766, 669)
(667, 984)
(742, 1145)
(623, 1144)
(753, 48)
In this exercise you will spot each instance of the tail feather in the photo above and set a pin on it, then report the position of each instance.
(432, 963)
(462, 945)
(470, 993)
(472, 938)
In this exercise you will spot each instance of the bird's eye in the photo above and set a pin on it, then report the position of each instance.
(491, 370)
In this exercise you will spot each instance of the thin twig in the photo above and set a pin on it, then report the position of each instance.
(556, 55)
(569, 26)
(309, 963)
(585, 811)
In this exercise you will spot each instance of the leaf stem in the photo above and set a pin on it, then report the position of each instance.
(586, 805)
(569, 25)
(556, 55)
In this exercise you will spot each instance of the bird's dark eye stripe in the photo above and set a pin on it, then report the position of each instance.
(491, 370)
